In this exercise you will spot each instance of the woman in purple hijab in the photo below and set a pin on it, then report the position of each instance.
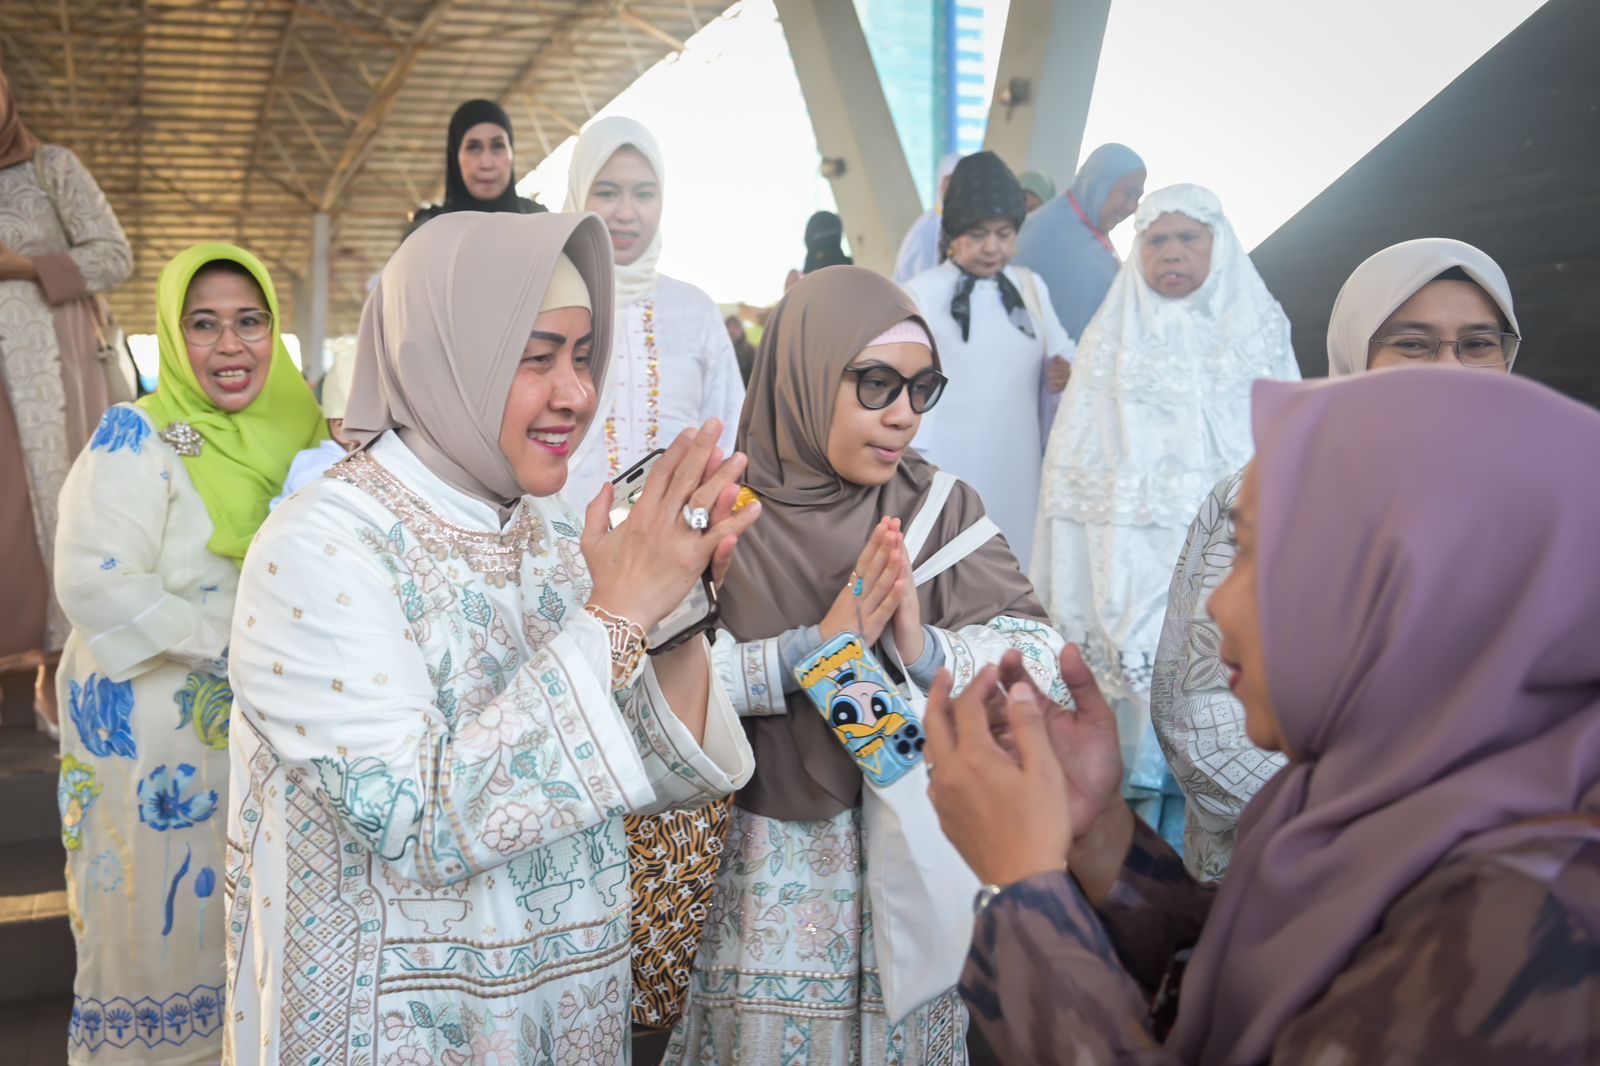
(1413, 620)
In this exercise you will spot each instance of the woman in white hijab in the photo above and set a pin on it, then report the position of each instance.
(673, 365)
(442, 705)
(1156, 411)
(1389, 313)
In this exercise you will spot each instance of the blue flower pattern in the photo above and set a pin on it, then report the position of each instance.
(165, 801)
(146, 1022)
(120, 428)
(101, 709)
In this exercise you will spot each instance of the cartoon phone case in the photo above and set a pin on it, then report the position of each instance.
(866, 711)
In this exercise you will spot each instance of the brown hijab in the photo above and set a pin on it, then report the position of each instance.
(792, 564)
(17, 142)
(444, 329)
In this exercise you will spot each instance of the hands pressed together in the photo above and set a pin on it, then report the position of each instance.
(645, 567)
(887, 597)
(1023, 785)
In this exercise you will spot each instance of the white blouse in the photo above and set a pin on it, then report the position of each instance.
(672, 367)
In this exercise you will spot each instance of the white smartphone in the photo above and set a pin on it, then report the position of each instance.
(698, 611)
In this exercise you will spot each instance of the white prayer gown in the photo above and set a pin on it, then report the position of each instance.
(1158, 409)
(990, 425)
(426, 857)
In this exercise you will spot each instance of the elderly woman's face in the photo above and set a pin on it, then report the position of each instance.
(220, 311)
(552, 400)
(485, 158)
(983, 250)
(1236, 608)
(1175, 253)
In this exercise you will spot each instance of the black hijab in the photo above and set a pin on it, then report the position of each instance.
(456, 195)
(824, 232)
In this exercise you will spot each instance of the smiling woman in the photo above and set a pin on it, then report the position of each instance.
(156, 515)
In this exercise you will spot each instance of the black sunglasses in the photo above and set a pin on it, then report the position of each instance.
(878, 386)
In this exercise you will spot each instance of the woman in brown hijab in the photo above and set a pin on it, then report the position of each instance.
(60, 245)
(789, 959)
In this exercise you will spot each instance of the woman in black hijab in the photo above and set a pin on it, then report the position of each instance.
(824, 232)
(479, 173)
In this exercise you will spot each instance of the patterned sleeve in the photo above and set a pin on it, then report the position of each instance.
(114, 507)
(1197, 720)
(685, 774)
(1488, 959)
(970, 649)
(326, 670)
(751, 672)
(98, 257)
(1049, 977)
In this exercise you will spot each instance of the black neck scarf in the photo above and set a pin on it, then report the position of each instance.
(1010, 299)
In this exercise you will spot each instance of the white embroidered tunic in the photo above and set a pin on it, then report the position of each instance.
(426, 855)
(144, 749)
(672, 367)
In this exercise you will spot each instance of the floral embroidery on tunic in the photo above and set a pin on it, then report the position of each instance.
(498, 557)
(101, 708)
(120, 427)
(206, 701)
(76, 792)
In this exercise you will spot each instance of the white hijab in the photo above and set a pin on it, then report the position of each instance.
(596, 146)
(1388, 279)
(1158, 408)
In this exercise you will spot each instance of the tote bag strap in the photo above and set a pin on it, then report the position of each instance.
(932, 507)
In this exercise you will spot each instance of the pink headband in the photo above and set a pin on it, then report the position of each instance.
(907, 331)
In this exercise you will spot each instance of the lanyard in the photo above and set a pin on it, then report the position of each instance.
(1101, 237)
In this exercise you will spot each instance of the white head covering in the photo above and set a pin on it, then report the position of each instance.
(1388, 279)
(596, 146)
(1158, 409)
(336, 385)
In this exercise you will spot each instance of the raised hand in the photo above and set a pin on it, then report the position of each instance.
(1008, 815)
(883, 581)
(645, 567)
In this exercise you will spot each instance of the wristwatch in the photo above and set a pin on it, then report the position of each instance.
(985, 896)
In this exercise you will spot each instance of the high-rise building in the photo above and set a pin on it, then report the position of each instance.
(933, 60)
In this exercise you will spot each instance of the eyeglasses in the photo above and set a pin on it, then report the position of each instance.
(878, 386)
(1487, 351)
(204, 331)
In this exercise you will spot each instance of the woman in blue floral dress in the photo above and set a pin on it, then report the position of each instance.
(155, 517)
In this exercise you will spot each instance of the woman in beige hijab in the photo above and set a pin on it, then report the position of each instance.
(1389, 313)
(443, 706)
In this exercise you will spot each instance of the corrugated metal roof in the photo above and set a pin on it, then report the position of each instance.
(238, 119)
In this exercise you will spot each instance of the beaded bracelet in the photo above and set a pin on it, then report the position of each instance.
(626, 640)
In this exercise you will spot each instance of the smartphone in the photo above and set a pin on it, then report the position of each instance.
(865, 709)
(698, 611)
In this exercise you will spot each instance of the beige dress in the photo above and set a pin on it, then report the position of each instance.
(54, 385)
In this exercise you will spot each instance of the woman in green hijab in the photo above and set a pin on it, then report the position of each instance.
(156, 516)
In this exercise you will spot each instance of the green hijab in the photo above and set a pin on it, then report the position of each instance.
(246, 456)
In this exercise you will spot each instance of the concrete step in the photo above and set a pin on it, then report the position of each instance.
(35, 1033)
(39, 953)
(39, 956)
(29, 765)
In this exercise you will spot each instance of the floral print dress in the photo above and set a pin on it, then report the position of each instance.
(787, 972)
(144, 749)
(426, 859)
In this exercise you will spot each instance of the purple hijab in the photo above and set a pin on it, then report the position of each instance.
(1431, 619)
